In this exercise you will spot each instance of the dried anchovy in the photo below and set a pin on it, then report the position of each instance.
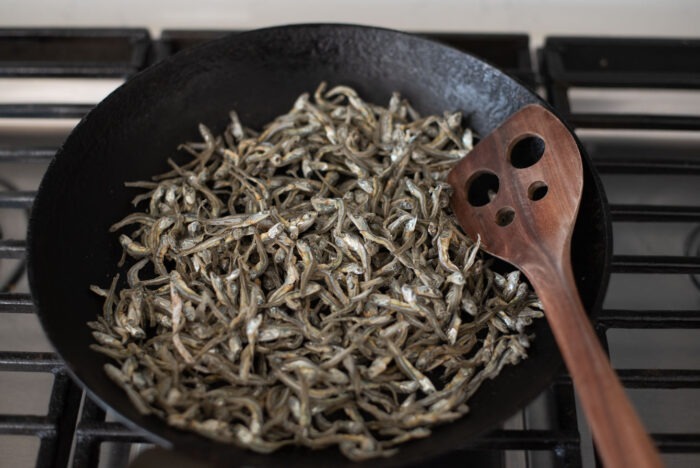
(309, 285)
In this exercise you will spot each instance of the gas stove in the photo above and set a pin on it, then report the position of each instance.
(633, 105)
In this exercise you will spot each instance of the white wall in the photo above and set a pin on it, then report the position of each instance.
(537, 17)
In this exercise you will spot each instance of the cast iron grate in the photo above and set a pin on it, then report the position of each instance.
(574, 62)
(74, 427)
(55, 53)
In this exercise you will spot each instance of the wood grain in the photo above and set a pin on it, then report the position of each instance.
(538, 241)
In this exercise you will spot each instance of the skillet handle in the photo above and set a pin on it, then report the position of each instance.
(617, 431)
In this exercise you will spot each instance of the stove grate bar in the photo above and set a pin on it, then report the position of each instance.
(657, 319)
(73, 52)
(655, 213)
(16, 303)
(27, 154)
(12, 248)
(667, 264)
(17, 199)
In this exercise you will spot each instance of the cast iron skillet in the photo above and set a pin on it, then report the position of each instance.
(130, 134)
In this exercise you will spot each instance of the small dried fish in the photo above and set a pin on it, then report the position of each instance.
(309, 285)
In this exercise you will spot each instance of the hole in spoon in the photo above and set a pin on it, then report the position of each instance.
(505, 216)
(527, 152)
(537, 190)
(481, 188)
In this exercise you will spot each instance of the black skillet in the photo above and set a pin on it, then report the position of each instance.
(130, 134)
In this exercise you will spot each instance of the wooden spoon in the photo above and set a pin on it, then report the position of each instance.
(519, 189)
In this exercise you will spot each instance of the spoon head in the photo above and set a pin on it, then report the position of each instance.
(520, 187)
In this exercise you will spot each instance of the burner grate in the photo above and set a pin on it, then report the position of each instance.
(637, 63)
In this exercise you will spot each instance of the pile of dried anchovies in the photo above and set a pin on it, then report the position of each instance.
(308, 285)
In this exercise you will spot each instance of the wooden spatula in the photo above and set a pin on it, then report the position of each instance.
(519, 189)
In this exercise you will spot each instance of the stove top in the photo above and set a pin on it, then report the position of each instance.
(634, 104)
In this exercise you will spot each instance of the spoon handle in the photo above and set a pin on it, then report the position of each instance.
(617, 431)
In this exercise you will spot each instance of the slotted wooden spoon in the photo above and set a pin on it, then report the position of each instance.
(519, 189)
